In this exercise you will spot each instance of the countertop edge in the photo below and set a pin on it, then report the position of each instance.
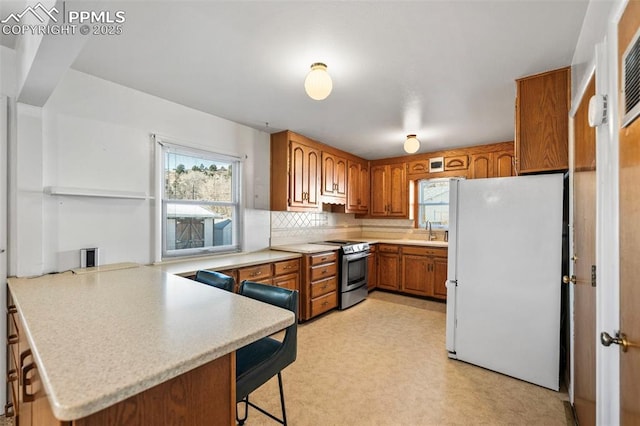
(70, 412)
(216, 263)
(66, 413)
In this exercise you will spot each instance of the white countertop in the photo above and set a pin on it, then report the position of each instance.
(187, 267)
(99, 338)
(307, 248)
(407, 242)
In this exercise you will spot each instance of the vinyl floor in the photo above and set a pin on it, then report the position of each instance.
(383, 362)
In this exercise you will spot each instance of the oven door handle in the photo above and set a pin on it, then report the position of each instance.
(356, 256)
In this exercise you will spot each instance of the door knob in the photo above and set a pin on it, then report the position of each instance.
(567, 280)
(620, 339)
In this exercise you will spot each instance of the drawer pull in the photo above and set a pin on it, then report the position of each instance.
(324, 271)
(12, 339)
(12, 309)
(324, 286)
(255, 274)
(325, 303)
(12, 375)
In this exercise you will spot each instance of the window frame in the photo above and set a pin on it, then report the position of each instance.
(418, 204)
(164, 146)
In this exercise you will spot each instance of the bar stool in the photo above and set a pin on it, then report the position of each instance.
(259, 361)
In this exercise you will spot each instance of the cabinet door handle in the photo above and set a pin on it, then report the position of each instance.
(12, 339)
(9, 410)
(24, 355)
(26, 396)
(12, 309)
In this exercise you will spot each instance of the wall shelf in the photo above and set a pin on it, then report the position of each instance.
(93, 192)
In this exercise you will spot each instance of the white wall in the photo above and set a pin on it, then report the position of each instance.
(96, 134)
(594, 29)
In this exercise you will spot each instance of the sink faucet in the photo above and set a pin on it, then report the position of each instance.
(427, 227)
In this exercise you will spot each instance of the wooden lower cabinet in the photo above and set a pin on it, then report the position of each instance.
(319, 286)
(258, 273)
(419, 270)
(185, 399)
(372, 263)
(440, 277)
(416, 274)
(388, 259)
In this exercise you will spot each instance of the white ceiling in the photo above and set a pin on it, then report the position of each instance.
(444, 70)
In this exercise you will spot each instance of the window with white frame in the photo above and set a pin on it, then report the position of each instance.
(200, 201)
(433, 203)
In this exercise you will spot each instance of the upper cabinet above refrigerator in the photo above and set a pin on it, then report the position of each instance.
(542, 122)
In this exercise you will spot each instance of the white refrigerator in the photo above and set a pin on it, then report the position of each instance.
(504, 275)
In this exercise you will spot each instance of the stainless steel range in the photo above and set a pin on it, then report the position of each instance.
(353, 273)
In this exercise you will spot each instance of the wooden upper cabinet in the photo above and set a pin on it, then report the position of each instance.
(357, 187)
(459, 162)
(542, 121)
(378, 183)
(304, 176)
(491, 164)
(503, 164)
(334, 178)
(389, 190)
(295, 173)
(481, 166)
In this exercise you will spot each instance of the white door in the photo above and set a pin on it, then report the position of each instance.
(509, 254)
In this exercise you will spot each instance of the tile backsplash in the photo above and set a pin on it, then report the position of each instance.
(295, 228)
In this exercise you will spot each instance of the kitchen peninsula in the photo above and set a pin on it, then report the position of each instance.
(132, 345)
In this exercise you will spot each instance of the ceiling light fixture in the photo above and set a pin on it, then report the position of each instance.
(318, 83)
(412, 144)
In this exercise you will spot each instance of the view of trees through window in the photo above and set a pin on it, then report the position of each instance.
(433, 201)
(199, 201)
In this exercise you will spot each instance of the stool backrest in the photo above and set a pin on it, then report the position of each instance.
(283, 298)
(215, 279)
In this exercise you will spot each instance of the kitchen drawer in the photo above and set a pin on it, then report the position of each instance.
(323, 271)
(324, 303)
(319, 288)
(287, 281)
(387, 248)
(424, 251)
(317, 259)
(254, 273)
(286, 267)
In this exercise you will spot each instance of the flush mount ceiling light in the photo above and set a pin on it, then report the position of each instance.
(318, 83)
(412, 144)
